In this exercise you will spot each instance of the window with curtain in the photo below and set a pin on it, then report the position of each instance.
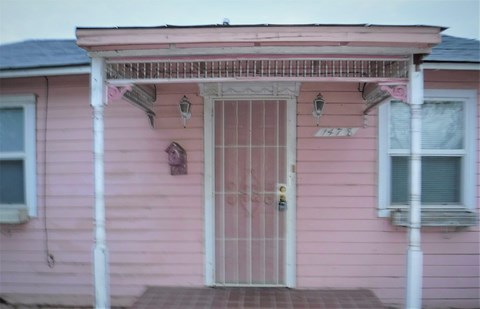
(442, 152)
(448, 151)
(17, 154)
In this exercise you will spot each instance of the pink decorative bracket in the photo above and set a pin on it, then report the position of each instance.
(398, 92)
(115, 93)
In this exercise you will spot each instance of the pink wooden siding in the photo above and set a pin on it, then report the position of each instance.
(341, 243)
(68, 196)
(155, 221)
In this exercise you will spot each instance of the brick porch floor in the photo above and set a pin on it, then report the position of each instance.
(240, 297)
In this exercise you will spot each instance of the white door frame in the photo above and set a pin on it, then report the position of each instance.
(265, 90)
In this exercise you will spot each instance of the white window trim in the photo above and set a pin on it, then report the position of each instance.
(28, 103)
(470, 152)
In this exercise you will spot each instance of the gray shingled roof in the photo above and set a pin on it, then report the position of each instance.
(63, 53)
(454, 49)
(42, 54)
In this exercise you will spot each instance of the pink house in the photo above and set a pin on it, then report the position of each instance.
(298, 152)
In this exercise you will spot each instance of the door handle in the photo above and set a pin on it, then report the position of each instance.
(282, 197)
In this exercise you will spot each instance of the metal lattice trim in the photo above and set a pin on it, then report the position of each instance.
(268, 69)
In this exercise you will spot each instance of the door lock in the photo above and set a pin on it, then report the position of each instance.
(282, 197)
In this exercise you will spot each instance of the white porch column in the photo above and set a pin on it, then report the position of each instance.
(415, 255)
(100, 253)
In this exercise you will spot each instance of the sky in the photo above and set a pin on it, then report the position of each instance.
(57, 19)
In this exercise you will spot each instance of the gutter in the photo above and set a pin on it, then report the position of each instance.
(468, 66)
(69, 70)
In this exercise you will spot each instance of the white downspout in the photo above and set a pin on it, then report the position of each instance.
(415, 255)
(100, 252)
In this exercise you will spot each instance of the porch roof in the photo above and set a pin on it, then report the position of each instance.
(365, 53)
(325, 39)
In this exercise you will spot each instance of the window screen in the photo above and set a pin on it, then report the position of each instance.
(11, 129)
(441, 180)
(12, 185)
(18, 172)
(12, 190)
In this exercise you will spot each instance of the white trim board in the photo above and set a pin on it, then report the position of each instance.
(451, 66)
(71, 70)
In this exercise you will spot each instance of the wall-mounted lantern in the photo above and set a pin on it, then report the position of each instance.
(318, 104)
(185, 110)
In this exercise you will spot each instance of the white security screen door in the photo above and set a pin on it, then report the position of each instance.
(250, 209)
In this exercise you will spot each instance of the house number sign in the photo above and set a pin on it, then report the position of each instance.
(336, 132)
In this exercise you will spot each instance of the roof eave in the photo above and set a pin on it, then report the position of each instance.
(101, 39)
(444, 65)
(45, 71)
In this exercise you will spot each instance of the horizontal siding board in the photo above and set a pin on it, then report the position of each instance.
(186, 190)
(69, 134)
(336, 155)
(352, 248)
(170, 259)
(41, 268)
(345, 204)
(451, 293)
(350, 225)
(336, 143)
(156, 270)
(348, 179)
(352, 271)
(159, 211)
(28, 288)
(65, 146)
(347, 237)
(352, 282)
(335, 166)
(132, 156)
(46, 278)
(157, 224)
(336, 190)
(157, 280)
(335, 121)
(451, 271)
(149, 167)
(456, 282)
(378, 246)
(469, 302)
(336, 213)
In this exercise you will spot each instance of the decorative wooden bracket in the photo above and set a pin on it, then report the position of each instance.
(374, 94)
(115, 93)
(398, 92)
(142, 97)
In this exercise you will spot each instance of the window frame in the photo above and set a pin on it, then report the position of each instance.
(28, 104)
(469, 153)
